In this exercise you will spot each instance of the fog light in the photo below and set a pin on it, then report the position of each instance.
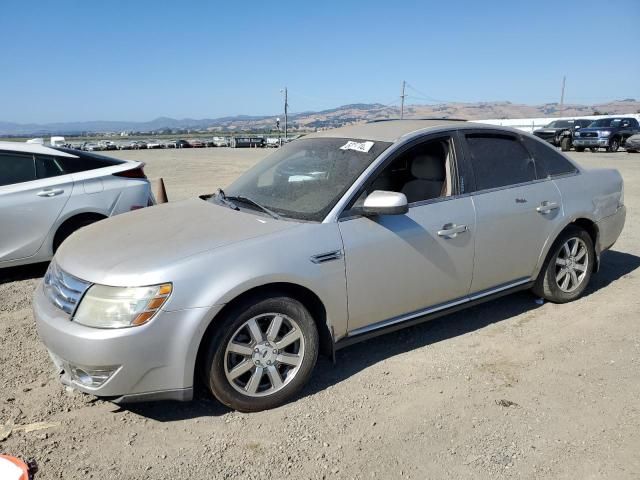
(90, 377)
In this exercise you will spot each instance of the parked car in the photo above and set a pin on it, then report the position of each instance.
(632, 145)
(182, 144)
(107, 145)
(272, 142)
(609, 133)
(125, 146)
(170, 144)
(138, 145)
(394, 223)
(152, 144)
(246, 142)
(220, 142)
(560, 132)
(91, 147)
(48, 193)
(196, 143)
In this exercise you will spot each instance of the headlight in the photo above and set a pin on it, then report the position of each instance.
(118, 307)
(576, 134)
(604, 133)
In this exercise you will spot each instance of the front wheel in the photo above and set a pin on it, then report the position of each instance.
(263, 354)
(565, 144)
(568, 267)
(614, 145)
(594, 149)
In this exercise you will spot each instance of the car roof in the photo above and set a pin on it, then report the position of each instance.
(33, 148)
(393, 130)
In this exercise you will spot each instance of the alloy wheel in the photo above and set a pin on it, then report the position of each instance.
(572, 263)
(264, 354)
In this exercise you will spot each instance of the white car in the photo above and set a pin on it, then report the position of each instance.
(48, 193)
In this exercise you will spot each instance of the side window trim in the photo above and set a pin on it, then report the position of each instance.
(469, 160)
(453, 138)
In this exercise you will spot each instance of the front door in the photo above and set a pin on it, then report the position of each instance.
(397, 265)
(28, 206)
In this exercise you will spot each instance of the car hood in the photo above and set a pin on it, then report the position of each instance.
(151, 239)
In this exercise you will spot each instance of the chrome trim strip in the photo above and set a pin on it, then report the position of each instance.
(437, 308)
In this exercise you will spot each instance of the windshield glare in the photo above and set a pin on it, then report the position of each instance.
(560, 124)
(304, 179)
(606, 122)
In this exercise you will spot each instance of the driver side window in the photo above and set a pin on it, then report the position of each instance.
(422, 173)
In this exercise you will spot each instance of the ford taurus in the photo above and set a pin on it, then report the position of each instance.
(334, 238)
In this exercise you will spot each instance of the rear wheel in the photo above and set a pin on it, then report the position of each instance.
(614, 145)
(263, 354)
(568, 267)
(594, 149)
(565, 144)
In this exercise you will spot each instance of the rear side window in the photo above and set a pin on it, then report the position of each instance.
(499, 160)
(549, 162)
(16, 168)
(82, 161)
(47, 167)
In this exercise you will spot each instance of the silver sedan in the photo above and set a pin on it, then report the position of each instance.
(332, 239)
(48, 193)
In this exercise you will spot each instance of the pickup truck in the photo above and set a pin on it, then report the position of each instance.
(609, 133)
(559, 133)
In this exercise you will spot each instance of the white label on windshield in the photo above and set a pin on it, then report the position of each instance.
(363, 147)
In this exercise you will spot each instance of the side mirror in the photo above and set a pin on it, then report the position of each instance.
(381, 202)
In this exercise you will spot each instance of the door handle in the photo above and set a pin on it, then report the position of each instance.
(50, 192)
(451, 230)
(547, 207)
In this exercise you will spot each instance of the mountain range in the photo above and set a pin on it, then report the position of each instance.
(335, 117)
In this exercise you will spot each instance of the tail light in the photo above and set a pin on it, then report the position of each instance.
(137, 172)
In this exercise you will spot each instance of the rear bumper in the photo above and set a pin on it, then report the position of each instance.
(610, 228)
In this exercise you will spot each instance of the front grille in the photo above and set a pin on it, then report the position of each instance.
(62, 289)
(589, 134)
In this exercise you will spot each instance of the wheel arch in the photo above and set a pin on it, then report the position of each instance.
(74, 220)
(303, 294)
(584, 222)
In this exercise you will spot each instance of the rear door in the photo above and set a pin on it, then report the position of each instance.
(32, 196)
(516, 211)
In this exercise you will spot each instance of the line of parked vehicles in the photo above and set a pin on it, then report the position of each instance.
(234, 142)
(580, 134)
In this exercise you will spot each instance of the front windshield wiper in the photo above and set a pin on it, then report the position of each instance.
(242, 198)
(222, 198)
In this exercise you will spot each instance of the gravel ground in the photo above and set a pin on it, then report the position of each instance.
(508, 389)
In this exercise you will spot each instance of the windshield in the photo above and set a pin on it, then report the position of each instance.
(306, 178)
(606, 122)
(560, 124)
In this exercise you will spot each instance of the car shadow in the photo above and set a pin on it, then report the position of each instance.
(356, 358)
(23, 272)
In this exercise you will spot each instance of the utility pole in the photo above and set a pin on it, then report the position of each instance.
(402, 95)
(564, 79)
(286, 111)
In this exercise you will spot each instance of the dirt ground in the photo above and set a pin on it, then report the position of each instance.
(508, 389)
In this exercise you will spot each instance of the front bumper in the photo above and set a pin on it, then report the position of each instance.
(591, 142)
(151, 362)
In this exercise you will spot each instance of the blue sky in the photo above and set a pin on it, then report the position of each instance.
(137, 60)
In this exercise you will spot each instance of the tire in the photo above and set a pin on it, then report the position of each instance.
(614, 145)
(267, 381)
(594, 149)
(551, 284)
(71, 226)
(565, 144)
(579, 149)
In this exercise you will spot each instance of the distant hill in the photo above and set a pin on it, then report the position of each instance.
(334, 117)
